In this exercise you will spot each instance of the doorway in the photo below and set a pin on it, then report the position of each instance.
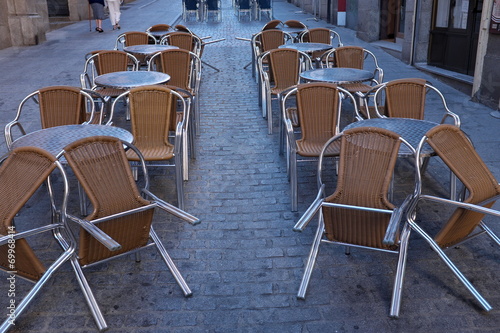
(392, 19)
(454, 35)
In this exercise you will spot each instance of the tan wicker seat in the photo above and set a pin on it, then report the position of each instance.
(317, 112)
(22, 172)
(58, 105)
(358, 213)
(285, 65)
(466, 217)
(153, 116)
(101, 166)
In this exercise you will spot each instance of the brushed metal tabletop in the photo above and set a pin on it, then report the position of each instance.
(131, 79)
(54, 139)
(337, 75)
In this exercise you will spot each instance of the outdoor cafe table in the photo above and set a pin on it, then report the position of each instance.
(131, 79)
(338, 75)
(307, 47)
(147, 49)
(54, 139)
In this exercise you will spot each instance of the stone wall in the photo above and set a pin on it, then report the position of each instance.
(489, 91)
(23, 22)
(369, 20)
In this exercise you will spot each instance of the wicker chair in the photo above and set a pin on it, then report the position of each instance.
(103, 62)
(294, 24)
(317, 113)
(285, 66)
(183, 40)
(22, 172)
(184, 68)
(131, 38)
(406, 98)
(58, 105)
(320, 35)
(263, 41)
(119, 210)
(355, 57)
(158, 28)
(153, 116)
(482, 190)
(358, 213)
(273, 24)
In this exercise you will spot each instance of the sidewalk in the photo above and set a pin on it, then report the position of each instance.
(243, 262)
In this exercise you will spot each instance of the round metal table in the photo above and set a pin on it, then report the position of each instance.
(131, 79)
(412, 130)
(307, 47)
(54, 139)
(337, 75)
(147, 49)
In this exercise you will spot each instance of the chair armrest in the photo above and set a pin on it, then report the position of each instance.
(395, 221)
(97, 233)
(24, 234)
(311, 211)
(469, 206)
(214, 41)
(172, 209)
(9, 137)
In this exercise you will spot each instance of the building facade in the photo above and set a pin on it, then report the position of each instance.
(457, 40)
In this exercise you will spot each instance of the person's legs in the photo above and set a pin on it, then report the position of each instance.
(114, 13)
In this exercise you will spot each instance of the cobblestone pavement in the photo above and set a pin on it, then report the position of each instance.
(243, 262)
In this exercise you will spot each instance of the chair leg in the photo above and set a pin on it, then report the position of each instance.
(400, 271)
(490, 233)
(179, 179)
(269, 110)
(486, 306)
(293, 180)
(170, 264)
(83, 200)
(311, 260)
(89, 296)
(10, 321)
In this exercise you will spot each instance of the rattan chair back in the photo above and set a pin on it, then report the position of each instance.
(273, 24)
(405, 98)
(62, 105)
(178, 64)
(349, 56)
(319, 115)
(294, 24)
(102, 168)
(366, 165)
(285, 67)
(458, 153)
(21, 174)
